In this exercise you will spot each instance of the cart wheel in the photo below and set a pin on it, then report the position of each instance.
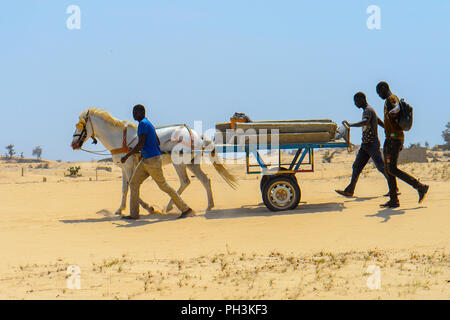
(281, 193)
(263, 182)
(267, 177)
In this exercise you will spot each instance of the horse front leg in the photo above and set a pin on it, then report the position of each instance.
(125, 184)
(146, 206)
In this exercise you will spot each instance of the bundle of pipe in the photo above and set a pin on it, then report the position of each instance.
(289, 131)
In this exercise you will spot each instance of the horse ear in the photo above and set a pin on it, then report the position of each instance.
(80, 126)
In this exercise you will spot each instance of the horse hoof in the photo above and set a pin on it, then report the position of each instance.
(150, 209)
(118, 212)
(209, 208)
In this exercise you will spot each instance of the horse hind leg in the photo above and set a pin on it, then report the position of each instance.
(206, 182)
(184, 182)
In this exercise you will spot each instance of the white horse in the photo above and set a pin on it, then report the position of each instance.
(120, 136)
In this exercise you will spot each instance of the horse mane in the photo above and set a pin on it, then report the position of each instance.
(105, 115)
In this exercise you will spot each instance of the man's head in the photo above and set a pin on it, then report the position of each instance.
(383, 90)
(360, 100)
(138, 112)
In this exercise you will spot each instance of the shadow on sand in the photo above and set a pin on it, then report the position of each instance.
(358, 199)
(386, 214)
(144, 219)
(258, 210)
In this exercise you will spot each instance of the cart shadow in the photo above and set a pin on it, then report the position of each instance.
(260, 210)
(386, 214)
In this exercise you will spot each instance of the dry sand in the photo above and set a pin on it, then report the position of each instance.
(240, 250)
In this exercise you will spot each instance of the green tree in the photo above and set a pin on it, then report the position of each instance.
(11, 151)
(446, 134)
(37, 152)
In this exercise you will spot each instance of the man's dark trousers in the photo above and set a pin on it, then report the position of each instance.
(391, 150)
(367, 151)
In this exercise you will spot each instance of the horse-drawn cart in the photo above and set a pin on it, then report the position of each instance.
(279, 185)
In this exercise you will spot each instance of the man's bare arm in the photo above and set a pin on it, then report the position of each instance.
(364, 122)
(137, 148)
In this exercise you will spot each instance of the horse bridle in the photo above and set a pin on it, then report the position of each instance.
(83, 132)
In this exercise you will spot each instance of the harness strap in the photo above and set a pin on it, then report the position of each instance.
(181, 140)
(124, 148)
(192, 137)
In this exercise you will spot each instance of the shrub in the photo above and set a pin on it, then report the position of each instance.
(74, 171)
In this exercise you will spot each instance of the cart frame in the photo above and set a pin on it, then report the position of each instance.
(279, 187)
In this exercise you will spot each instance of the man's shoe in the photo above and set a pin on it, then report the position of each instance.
(185, 214)
(391, 204)
(423, 192)
(345, 193)
(130, 217)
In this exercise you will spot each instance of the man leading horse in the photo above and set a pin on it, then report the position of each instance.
(150, 165)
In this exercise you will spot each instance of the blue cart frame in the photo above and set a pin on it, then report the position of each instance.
(279, 186)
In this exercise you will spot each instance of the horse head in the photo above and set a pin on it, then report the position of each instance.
(83, 131)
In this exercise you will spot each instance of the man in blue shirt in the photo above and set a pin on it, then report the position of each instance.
(150, 165)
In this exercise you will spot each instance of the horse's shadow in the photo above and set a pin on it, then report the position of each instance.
(387, 213)
(143, 219)
(260, 210)
(244, 211)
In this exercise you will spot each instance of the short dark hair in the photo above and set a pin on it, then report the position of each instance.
(382, 84)
(359, 95)
(139, 107)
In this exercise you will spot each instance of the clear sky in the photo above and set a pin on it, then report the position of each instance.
(204, 60)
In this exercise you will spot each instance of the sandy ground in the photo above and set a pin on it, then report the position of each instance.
(240, 250)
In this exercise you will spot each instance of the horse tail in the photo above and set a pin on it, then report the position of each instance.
(222, 171)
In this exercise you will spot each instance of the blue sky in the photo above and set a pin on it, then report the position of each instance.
(204, 60)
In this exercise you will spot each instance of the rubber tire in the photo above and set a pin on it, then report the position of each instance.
(285, 178)
(267, 177)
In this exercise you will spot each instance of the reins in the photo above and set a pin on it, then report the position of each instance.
(97, 152)
(125, 146)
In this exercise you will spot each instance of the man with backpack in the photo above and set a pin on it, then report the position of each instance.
(392, 147)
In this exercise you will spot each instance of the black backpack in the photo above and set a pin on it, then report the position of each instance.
(405, 116)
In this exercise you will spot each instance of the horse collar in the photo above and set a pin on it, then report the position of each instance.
(124, 148)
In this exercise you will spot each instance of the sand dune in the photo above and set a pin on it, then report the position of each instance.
(240, 250)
